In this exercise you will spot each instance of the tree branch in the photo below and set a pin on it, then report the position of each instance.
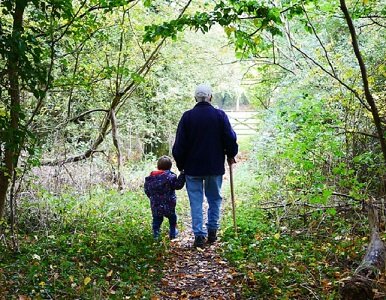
(86, 113)
(320, 41)
(114, 133)
(303, 204)
(43, 93)
(115, 105)
(356, 94)
(119, 76)
(72, 86)
(356, 132)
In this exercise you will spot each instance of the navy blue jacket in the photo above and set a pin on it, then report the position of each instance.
(204, 137)
(160, 187)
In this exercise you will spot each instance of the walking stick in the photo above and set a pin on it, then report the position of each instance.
(233, 198)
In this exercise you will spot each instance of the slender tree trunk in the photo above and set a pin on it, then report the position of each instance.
(368, 95)
(114, 133)
(362, 285)
(9, 161)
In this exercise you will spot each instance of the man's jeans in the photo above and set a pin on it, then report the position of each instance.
(196, 186)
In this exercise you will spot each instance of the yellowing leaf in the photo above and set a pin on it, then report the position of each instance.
(251, 276)
(3, 113)
(42, 283)
(87, 280)
(277, 236)
(229, 29)
(257, 39)
(109, 273)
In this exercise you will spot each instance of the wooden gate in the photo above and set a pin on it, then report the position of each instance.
(243, 122)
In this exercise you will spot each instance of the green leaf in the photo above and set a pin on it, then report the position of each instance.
(147, 3)
(137, 78)
(316, 200)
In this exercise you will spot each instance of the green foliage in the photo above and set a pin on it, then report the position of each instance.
(300, 141)
(295, 261)
(98, 244)
(223, 14)
(287, 255)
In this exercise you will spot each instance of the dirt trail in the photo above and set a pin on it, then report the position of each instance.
(198, 273)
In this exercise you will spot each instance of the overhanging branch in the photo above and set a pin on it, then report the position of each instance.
(115, 105)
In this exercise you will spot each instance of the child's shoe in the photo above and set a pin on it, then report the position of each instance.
(173, 233)
(156, 235)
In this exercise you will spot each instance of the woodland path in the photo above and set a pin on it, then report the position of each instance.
(191, 273)
(197, 273)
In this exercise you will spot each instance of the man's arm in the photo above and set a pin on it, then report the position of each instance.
(230, 141)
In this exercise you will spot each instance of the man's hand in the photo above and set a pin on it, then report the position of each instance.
(231, 160)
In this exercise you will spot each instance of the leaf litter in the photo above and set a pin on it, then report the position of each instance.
(191, 273)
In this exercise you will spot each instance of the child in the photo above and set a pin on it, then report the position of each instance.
(160, 187)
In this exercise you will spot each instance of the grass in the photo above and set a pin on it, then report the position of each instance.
(92, 247)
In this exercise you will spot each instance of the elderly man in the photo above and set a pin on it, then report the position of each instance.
(204, 137)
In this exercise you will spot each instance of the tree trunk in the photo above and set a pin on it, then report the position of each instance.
(12, 146)
(369, 97)
(362, 284)
(114, 133)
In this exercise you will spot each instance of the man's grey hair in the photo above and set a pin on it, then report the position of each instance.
(203, 93)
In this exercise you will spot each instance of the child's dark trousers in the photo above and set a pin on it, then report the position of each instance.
(157, 222)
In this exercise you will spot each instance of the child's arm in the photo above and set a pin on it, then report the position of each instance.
(177, 183)
(146, 188)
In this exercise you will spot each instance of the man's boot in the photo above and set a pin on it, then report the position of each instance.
(212, 235)
(199, 241)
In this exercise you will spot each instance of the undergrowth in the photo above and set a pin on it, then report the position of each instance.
(99, 245)
(289, 252)
(298, 260)
(95, 246)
